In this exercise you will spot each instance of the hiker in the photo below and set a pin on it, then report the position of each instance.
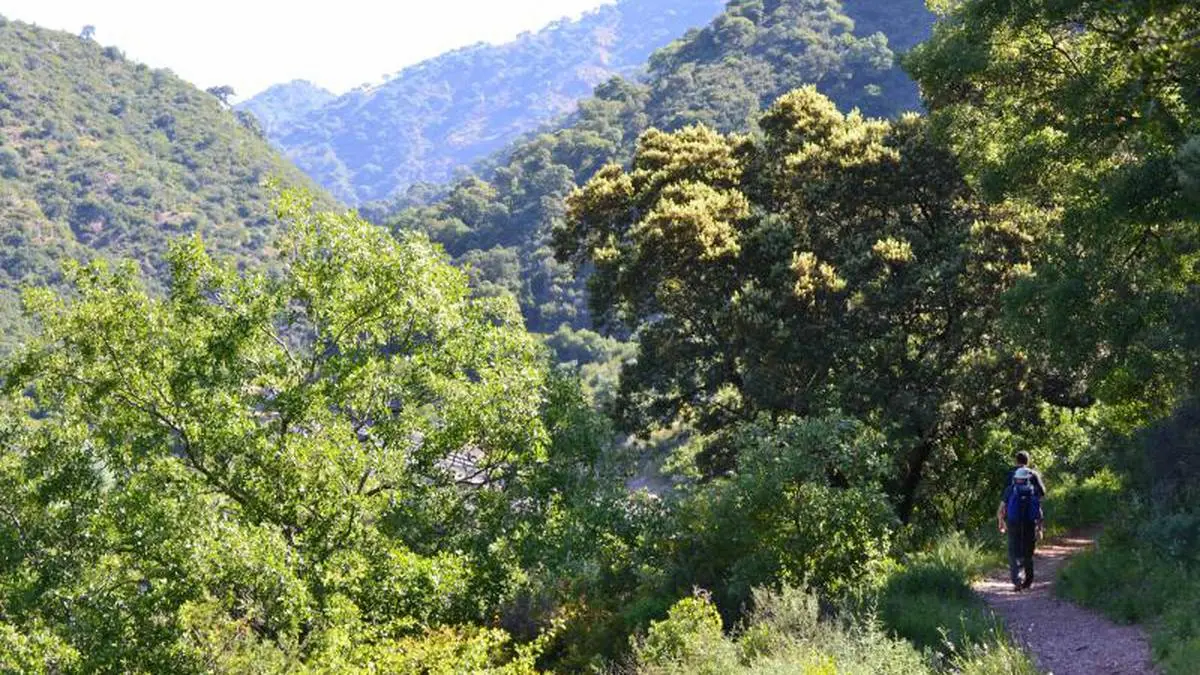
(1021, 516)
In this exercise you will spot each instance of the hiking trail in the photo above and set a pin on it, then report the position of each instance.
(1064, 638)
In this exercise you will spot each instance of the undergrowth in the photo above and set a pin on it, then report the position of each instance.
(929, 600)
(922, 618)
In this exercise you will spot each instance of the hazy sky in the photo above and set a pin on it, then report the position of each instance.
(252, 44)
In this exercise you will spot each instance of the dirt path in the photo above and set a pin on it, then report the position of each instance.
(1065, 638)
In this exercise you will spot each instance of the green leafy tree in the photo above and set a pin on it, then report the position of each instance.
(223, 93)
(839, 263)
(1079, 120)
(317, 466)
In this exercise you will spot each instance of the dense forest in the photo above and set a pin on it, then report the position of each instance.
(830, 310)
(448, 112)
(99, 155)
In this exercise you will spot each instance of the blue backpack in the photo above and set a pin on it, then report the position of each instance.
(1023, 503)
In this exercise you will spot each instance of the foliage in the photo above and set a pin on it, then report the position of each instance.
(787, 518)
(1147, 566)
(997, 658)
(929, 602)
(1078, 504)
(725, 73)
(689, 640)
(1078, 118)
(316, 466)
(428, 120)
(830, 265)
(805, 507)
(596, 360)
(103, 157)
(222, 93)
(784, 633)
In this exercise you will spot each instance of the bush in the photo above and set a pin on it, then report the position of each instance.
(997, 657)
(779, 520)
(783, 634)
(689, 640)
(1080, 504)
(1128, 585)
(929, 600)
(1176, 642)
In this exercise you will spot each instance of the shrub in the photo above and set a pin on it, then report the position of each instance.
(997, 657)
(1126, 584)
(1176, 642)
(783, 634)
(1080, 504)
(689, 640)
(929, 601)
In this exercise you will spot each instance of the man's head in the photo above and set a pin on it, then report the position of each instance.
(1022, 458)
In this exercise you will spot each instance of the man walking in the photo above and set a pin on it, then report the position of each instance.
(1020, 515)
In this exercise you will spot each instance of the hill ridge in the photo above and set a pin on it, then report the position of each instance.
(103, 156)
(457, 108)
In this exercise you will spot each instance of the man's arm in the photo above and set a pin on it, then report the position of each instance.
(1002, 512)
(1039, 484)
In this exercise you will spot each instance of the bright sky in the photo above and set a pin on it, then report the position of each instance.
(252, 44)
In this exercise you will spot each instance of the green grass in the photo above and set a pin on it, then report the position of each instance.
(997, 657)
(929, 601)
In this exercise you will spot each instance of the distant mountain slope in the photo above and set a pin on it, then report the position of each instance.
(99, 155)
(721, 75)
(280, 106)
(455, 109)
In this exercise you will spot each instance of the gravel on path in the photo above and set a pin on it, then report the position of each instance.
(1064, 638)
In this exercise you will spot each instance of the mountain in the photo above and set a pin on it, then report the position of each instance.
(103, 156)
(280, 106)
(722, 75)
(452, 110)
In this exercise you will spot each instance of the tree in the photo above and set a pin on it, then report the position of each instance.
(88, 32)
(223, 93)
(306, 466)
(250, 123)
(839, 263)
(1079, 120)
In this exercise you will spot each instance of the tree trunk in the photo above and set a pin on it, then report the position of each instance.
(912, 480)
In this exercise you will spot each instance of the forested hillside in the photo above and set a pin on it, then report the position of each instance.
(721, 75)
(99, 155)
(450, 111)
(282, 105)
